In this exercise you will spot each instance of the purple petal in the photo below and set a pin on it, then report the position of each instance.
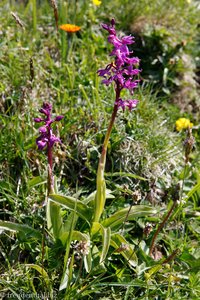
(44, 111)
(108, 81)
(112, 39)
(47, 105)
(121, 103)
(42, 129)
(132, 104)
(58, 118)
(128, 40)
(132, 60)
(106, 71)
(53, 140)
(41, 144)
(131, 84)
(130, 71)
(38, 120)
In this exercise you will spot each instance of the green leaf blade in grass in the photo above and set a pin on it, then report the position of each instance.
(106, 237)
(73, 204)
(194, 191)
(124, 248)
(41, 271)
(124, 214)
(124, 174)
(100, 198)
(4, 225)
(54, 219)
(76, 235)
(35, 181)
(91, 197)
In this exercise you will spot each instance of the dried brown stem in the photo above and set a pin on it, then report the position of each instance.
(17, 19)
(160, 227)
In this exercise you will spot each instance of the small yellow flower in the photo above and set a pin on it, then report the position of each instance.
(70, 27)
(183, 123)
(96, 2)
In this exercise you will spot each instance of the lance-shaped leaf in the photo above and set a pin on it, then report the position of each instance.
(36, 181)
(76, 235)
(92, 196)
(128, 214)
(54, 219)
(20, 228)
(106, 235)
(73, 204)
(41, 271)
(100, 197)
(124, 174)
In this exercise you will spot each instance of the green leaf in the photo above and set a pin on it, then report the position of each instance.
(36, 181)
(124, 174)
(152, 271)
(100, 199)
(106, 235)
(44, 275)
(71, 219)
(73, 204)
(88, 261)
(124, 248)
(76, 235)
(124, 214)
(54, 219)
(66, 280)
(92, 196)
(20, 227)
(195, 190)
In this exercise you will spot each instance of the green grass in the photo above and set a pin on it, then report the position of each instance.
(145, 160)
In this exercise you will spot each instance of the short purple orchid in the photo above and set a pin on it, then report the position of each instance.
(47, 138)
(123, 69)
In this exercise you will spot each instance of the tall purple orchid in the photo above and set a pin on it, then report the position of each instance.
(121, 71)
(47, 138)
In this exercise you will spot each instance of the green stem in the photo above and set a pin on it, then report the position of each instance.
(102, 161)
(100, 194)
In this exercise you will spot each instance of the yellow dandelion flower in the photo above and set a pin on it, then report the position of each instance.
(96, 2)
(69, 27)
(183, 123)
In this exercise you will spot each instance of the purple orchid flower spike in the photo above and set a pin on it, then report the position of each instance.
(47, 138)
(123, 69)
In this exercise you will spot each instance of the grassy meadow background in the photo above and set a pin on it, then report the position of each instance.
(145, 168)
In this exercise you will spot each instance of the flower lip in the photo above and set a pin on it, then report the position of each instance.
(70, 28)
(41, 144)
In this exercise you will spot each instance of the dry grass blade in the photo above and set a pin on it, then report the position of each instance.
(17, 19)
(55, 9)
